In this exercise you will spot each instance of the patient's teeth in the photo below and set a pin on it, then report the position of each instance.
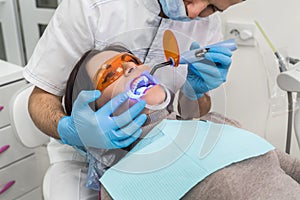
(137, 81)
(139, 85)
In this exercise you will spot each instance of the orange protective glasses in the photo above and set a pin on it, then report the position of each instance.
(113, 69)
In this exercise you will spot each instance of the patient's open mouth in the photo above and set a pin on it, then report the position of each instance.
(140, 85)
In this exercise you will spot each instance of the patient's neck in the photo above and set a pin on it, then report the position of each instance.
(153, 118)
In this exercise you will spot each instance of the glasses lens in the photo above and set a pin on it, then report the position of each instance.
(113, 69)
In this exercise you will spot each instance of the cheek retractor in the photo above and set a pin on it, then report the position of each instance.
(139, 85)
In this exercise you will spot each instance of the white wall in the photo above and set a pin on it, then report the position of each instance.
(252, 80)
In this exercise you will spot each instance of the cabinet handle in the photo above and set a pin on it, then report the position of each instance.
(1, 108)
(4, 148)
(7, 186)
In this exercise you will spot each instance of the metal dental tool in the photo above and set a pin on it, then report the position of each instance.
(193, 56)
(197, 55)
(156, 67)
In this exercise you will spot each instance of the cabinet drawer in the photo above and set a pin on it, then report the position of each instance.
(11, 149)
(6, 93)
(35, 194)
(25, 176)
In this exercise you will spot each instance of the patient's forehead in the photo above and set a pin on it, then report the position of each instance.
(97, 60)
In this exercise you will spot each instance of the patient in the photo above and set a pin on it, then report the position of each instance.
(234, 165)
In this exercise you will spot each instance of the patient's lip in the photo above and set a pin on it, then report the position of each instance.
(143, 82)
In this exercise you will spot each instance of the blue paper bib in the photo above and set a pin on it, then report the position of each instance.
(176, 155)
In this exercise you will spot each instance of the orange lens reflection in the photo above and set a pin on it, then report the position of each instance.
(170, 46)
(113, 69)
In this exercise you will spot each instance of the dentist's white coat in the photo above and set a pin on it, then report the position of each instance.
(81, 25)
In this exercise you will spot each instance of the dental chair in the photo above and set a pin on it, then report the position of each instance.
(27, 134)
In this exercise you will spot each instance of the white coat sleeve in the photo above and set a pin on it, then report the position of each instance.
(215, 29)
(67, 37)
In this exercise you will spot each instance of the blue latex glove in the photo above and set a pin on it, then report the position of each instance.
(99, 129)
(207, 74)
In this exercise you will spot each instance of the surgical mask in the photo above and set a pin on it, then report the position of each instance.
(174, 9)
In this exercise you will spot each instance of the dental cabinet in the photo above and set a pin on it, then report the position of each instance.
(21, 169)
(35, 16)
(11, 46)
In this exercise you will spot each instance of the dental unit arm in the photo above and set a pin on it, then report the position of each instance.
(290, 81)
(283, 68)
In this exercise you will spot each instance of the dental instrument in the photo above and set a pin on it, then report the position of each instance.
(282, 68)
(282, 65)
(160, 65)
(199, 54)
(290, 81)
(174, 58)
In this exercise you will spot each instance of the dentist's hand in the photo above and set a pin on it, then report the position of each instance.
(208, 74)
(99, 129)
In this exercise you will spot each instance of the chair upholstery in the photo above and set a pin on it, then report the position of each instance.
(24, 128)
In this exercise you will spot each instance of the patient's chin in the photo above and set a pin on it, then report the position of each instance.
(155, 95)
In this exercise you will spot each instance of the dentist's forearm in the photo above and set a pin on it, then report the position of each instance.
(45, 110)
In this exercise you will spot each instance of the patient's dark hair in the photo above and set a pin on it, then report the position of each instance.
(79, 79)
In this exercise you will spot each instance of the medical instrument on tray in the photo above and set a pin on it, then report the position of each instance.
(174, 58)
(282, 68)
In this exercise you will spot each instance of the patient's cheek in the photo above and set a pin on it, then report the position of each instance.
(101, 101)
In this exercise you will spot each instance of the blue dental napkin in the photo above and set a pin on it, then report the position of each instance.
(176, 155)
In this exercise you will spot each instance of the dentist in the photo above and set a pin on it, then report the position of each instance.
(81, 25)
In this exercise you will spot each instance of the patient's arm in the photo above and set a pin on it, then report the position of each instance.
(189, 109)
(290, 165)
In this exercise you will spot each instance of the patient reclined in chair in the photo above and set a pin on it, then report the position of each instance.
(236, 164)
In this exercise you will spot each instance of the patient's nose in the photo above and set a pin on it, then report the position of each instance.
(129, 67)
